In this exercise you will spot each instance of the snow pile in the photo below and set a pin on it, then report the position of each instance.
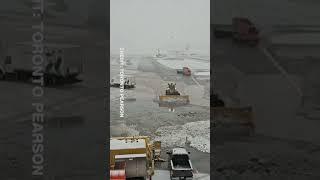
(195, 133)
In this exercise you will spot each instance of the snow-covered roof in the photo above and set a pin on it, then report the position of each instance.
(116, 144)
(126, 156)
(179, 151)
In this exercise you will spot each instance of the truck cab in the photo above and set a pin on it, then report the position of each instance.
(185, 71)
(244, 30)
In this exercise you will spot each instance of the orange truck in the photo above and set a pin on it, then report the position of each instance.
(185, 71)
(241, 30)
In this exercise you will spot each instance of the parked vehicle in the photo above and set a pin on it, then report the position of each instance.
(179, 164)
(185, 71)
(241, 30)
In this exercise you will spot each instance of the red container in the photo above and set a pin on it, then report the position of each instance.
(117, 174)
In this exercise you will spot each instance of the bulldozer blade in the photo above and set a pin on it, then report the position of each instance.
(242, 116)
(173, 100)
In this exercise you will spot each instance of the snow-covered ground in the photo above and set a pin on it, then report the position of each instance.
(123, 129)
(297, 39)
(273, 114)
(187, 62)
(203, 73)
(297, 53)
(197, 95)
(295, 45)
(195, 133)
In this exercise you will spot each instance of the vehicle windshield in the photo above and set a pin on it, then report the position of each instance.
(180, 160)
(183, 157)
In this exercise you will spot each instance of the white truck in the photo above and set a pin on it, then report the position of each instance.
(179, 164)
(63, 63)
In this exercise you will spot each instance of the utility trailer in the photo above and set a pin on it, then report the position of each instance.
(179, 164)
(62, 63)
(241, 30)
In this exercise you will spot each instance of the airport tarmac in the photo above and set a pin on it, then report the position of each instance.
(143, 116)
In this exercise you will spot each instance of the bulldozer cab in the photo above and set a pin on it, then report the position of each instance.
(172, 86)
(171, 90)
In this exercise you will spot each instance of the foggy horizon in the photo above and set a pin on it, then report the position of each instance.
(162, 24)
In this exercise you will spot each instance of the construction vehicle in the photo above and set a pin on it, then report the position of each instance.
(157, 151)
(172, 97)
(185, 71)
(133, 157)
(241, 30)
(242, 116)
(127, 81)
(180, 165)
(60, 64)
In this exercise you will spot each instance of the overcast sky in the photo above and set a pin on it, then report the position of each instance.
(167, 24)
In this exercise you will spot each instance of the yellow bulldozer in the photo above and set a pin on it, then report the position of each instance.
(172, 97)
(242, 116)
